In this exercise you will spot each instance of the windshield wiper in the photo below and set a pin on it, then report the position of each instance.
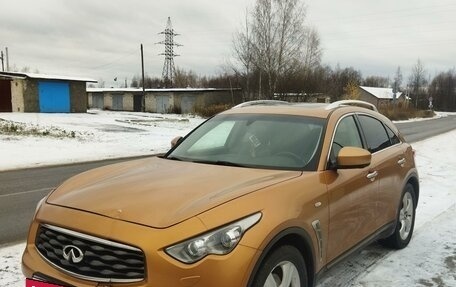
(220, 162)
(174, 158)
(229, 163)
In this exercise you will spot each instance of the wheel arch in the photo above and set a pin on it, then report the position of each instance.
(413, 180)
(298, 238)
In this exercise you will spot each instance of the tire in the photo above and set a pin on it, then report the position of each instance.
(285, 260)
(405, 221)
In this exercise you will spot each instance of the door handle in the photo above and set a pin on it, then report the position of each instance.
(372, 175)
(401, 162)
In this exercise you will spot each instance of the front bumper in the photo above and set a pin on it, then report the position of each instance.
(161, 270)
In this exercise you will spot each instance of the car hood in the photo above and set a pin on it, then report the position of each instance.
(159, 192)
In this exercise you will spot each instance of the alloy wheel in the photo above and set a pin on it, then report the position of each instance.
(406, 215)
(284, 274)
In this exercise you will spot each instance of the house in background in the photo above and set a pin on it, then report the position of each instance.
(381, 97)
(176, 100)
(28, 92)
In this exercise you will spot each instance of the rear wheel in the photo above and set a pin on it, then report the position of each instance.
(405, 220)
(284, 267)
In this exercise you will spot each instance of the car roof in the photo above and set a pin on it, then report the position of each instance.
(318, 110)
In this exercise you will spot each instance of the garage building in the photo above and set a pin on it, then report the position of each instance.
(176, 100)
(28, 92)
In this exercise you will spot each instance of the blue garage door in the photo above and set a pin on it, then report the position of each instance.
(54, 97)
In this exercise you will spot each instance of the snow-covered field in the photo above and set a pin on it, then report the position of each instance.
(97, 135)
(429, 260)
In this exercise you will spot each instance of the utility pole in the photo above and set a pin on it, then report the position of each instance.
(1, 57)
(7, 59)
(143, 102)
(168, 67)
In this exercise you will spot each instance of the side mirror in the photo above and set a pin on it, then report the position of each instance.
(353, 157)
(175, 141)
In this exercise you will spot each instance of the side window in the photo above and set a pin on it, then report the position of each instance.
(393, 137)
(376, 136)
(347, 134)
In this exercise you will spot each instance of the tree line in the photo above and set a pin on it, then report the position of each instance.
(276, 53)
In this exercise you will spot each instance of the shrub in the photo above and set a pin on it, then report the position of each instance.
(175, 110)
(404, 113)
(211, 110)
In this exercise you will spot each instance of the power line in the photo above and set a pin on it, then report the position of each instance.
(115, 61)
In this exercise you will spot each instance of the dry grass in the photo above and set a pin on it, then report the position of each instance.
(402, 113)
(211, 110)
(20, 129)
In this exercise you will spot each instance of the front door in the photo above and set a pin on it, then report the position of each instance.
(388, 156)
(352, 195)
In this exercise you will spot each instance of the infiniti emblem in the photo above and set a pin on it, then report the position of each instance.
(72, 254)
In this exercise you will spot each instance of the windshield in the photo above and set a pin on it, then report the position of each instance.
(251, 140)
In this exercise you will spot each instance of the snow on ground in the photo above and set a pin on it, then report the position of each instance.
(97, 135)
(10, 267)
(429, 260)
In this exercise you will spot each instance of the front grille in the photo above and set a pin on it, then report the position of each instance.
(89, 257)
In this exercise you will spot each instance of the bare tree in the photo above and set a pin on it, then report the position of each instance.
(397, 82)
(417, 80)
(101, 83)
(242, 48)
(185, 79)
(312, 50)
(272, 43)
(376, 81)
(443, 90)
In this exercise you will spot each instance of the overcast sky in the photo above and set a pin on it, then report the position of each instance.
(101, 39)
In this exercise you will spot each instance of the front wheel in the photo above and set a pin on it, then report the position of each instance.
(405, 220)
(284, 267)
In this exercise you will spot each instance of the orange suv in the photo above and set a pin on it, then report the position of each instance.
(264, 194)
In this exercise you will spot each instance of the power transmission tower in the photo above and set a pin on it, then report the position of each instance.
(168, 67)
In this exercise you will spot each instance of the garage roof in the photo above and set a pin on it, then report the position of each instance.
(45, 77)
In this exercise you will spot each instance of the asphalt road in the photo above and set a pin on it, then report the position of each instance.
(420, 130)
(20, 190)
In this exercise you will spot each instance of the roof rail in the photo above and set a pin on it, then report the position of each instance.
(357, 103)
(261, 103)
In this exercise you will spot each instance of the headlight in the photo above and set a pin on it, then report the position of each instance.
(220, 241)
